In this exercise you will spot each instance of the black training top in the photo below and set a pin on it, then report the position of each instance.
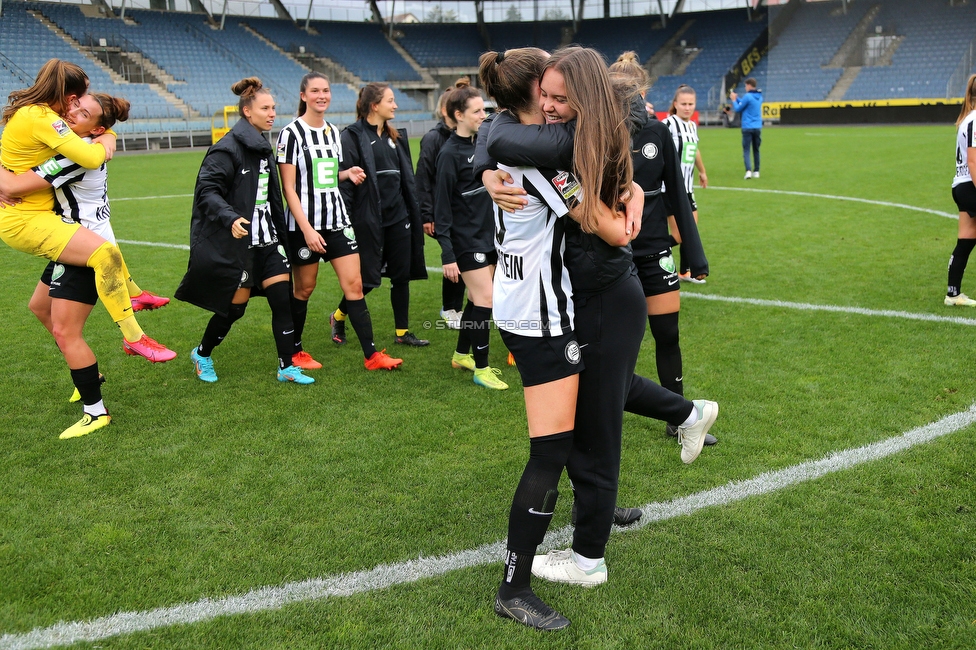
(430, 146)
(463, 216)
(394, 210)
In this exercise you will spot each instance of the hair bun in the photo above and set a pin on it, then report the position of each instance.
(628, 57)
(245, 86)
(462, 82)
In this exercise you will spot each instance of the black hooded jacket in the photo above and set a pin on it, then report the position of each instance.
(364, 203)
(430, 146)
(226, 190)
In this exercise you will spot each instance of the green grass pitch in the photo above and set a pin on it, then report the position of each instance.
(200, 491)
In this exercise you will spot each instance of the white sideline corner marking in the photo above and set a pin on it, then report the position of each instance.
(387, 575)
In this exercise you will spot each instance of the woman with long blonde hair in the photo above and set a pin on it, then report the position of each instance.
(964, 194)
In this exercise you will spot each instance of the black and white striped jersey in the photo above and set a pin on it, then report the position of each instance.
(261, 227)
(316, 154)
(80, 195)
(685, 136)
(532, 293)
(965, 140)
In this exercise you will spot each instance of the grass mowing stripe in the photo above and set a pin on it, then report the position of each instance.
(383, 576)
(887, 313)
(887, 204)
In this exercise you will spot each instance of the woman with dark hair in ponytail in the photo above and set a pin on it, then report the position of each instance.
(384, 209)
(65, 295)
(465, 228)
(452, 293)
(237, 235)
(309, 155)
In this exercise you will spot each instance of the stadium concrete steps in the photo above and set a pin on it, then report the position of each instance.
(840, 88)
(851, 51)
(255, 34)
(115, 76)
(428, 79)
(660, 62)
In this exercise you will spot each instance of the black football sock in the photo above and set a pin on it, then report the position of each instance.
(480, 335)
(400, 299)
(957, 265)
(299, 313)
(363, 324)
(464, 334)
(218, 328)
(667, 352)
(282, 326)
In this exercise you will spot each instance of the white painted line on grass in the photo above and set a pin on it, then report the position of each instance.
(860, 311)
(184, 247)
(387, 575)
(152, 198)
(886, 204)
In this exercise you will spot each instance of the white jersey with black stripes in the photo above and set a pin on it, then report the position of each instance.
(80, 195)
(685, 136)
(532, 291)
(965, 140)
(316, 154)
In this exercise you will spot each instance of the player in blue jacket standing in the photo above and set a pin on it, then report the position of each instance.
(750, 106)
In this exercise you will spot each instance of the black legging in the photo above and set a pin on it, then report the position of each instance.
(609, 328)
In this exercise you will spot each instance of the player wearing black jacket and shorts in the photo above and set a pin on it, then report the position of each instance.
(452, 293)
(309, 153)
(964, 194)
(465, 229)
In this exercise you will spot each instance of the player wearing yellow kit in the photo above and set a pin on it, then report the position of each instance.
(34, 132)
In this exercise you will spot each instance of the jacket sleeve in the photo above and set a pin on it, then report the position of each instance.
(691, 245)
(216, 177)
(66, 142)
(351, 157)
(425, 175)
(444, 186)
(739, 104)
(550, 145)
(482, 161)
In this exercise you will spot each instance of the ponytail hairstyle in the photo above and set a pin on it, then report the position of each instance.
(247, 90)
(442, 101)
(54, 82)
(601, 150)
(969, 101)
(304, 85)
(683, 89)
(509, 77)
(628, 66)
(458, 97)
(372, 93)
(114, 109)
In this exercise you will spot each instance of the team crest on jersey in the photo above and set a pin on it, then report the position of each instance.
(61, 128)
(391, 143)
(479, 258)
(243, 277)
(304, 253)
(57, 272)
(649, 151)
(573, 352)
(667, 263)
(349, 233)
(566, 184)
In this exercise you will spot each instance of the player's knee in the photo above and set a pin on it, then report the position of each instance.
(305, 291)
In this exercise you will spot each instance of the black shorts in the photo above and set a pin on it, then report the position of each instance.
(658, 273)
(338, 243)
(691, 200)
(75, 283)
(264, 262)
(964, 195)
(541, 360)
(473, 261)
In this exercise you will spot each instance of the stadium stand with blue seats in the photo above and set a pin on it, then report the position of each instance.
(28, 44)
(544, 35)
(935, 41)
(810, 40)
(721, 36)
(442, 45)
(612, 36)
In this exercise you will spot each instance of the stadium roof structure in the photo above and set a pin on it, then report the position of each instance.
(381, 11)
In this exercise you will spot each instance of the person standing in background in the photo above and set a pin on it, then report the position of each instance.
(750, 109)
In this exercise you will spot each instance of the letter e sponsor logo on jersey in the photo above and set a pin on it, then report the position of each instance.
(61, 128)
(567, 185)
(51, 167)
(573, 352)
